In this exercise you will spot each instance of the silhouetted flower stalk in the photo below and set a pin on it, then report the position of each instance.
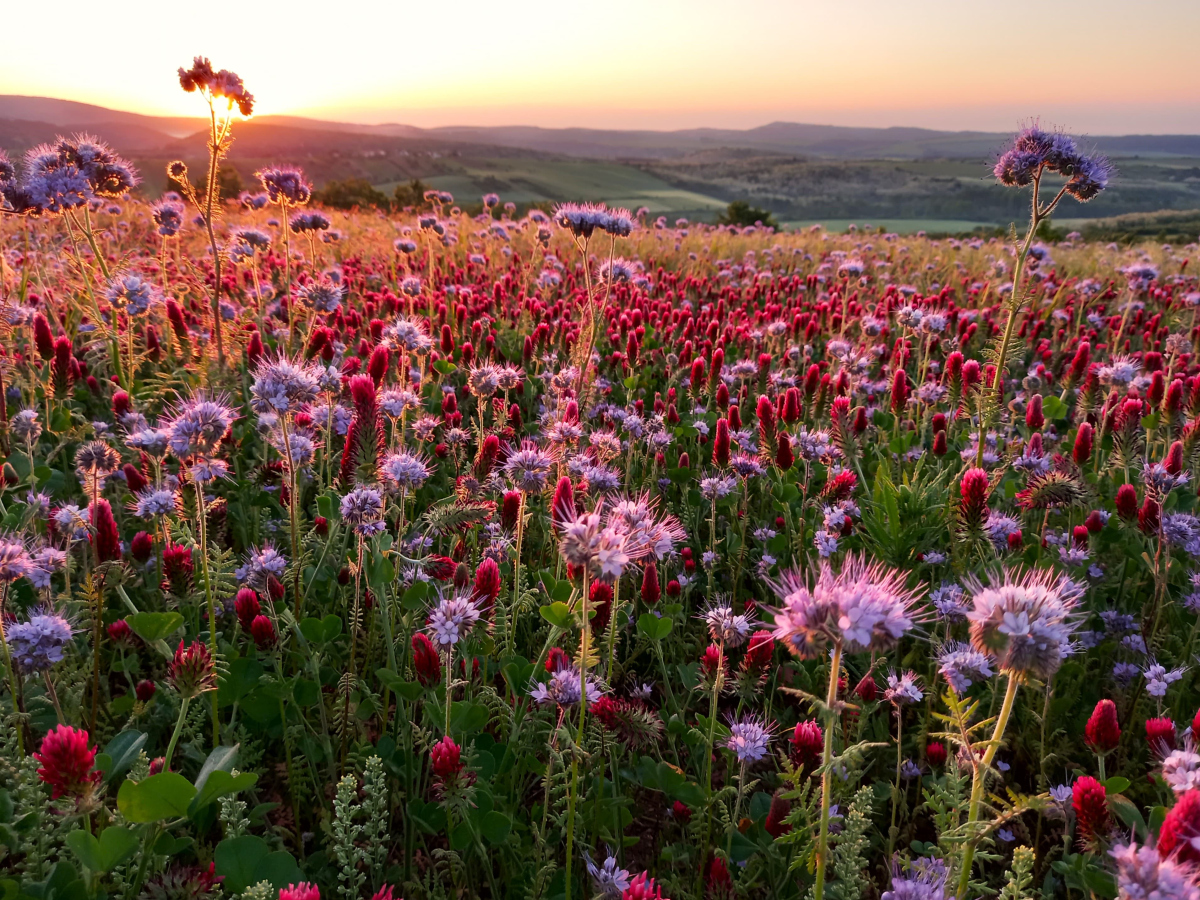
(1033, 153)
(211, 85)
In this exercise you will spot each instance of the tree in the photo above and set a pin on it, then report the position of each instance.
(739, 212)
(350, 193)
(411, 194)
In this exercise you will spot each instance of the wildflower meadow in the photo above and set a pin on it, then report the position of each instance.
(578, 554)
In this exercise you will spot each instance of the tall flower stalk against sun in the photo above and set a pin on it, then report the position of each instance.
(864, 607)
(1023, 622)
(1032, 154)
(213, 87)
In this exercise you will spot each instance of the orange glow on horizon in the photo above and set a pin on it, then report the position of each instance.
(653, 64)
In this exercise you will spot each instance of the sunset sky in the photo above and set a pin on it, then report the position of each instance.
(1104, 68)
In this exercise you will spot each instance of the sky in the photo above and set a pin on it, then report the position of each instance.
(1104, 67)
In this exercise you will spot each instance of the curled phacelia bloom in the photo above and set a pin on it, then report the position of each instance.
(37, 644)
(864, 607)
(1023, 620)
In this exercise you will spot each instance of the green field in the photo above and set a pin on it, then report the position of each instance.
(899, 226)
(525, 181)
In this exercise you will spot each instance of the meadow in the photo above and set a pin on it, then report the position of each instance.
(591, 553)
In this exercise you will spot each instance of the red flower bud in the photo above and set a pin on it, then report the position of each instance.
(446, 758)
(935, 754)
(1126, 501)
(1160, 735)
(263, 632)
(1179, 830)
(1082, 450)
(1034, 419)
(1103, 732)
(426, 660)
(651, 593)
(1091, 809)
(808, 745)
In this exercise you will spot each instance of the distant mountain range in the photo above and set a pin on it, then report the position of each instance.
(25, 121)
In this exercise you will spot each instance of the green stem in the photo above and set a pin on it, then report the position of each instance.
(977, 783)
(826, 780)
(183, 708)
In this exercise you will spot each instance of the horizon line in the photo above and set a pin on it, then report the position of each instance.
(519, 124)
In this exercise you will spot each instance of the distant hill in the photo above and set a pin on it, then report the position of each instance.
(799, 172)
(19, 117)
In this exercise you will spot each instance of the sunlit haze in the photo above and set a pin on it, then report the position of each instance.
(1111, 68)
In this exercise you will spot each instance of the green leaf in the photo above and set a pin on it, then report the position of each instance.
(495, 826)
(1128, 813)
(414, 597)
(1116, 785)
(121, 751)
(444, 367)
(221, 783)
(115, 845)
(162, 796)
(1053, 408)
(653, 627)
(247, 860)
(219, 760)
(429, 817)
(154, 626)
(242, 677)
(557, 614)
(467, 717)
(409, 690)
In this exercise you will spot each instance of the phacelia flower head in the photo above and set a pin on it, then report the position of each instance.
(608, 878)
(37, 644)
(362, 508)
(282, 386)
(1023, 620)
(14, 558)
(198, 425)
(749, 738)
(528, 468)
(864, 607)
(223, 84)
(562, 688)
(922, 879)
(451, 620)
(405, 470)
(962, 665)
(131, 293)
(285, 185)
(1145, 874)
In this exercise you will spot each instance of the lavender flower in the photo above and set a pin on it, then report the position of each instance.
(748, 739)
(38, 644)
(528, 468)
(865, 606)
(362, 508)
(924, 879)
(562, 688)
(198, 426)
(451, 620)
(1023, 620)
(962, 665)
